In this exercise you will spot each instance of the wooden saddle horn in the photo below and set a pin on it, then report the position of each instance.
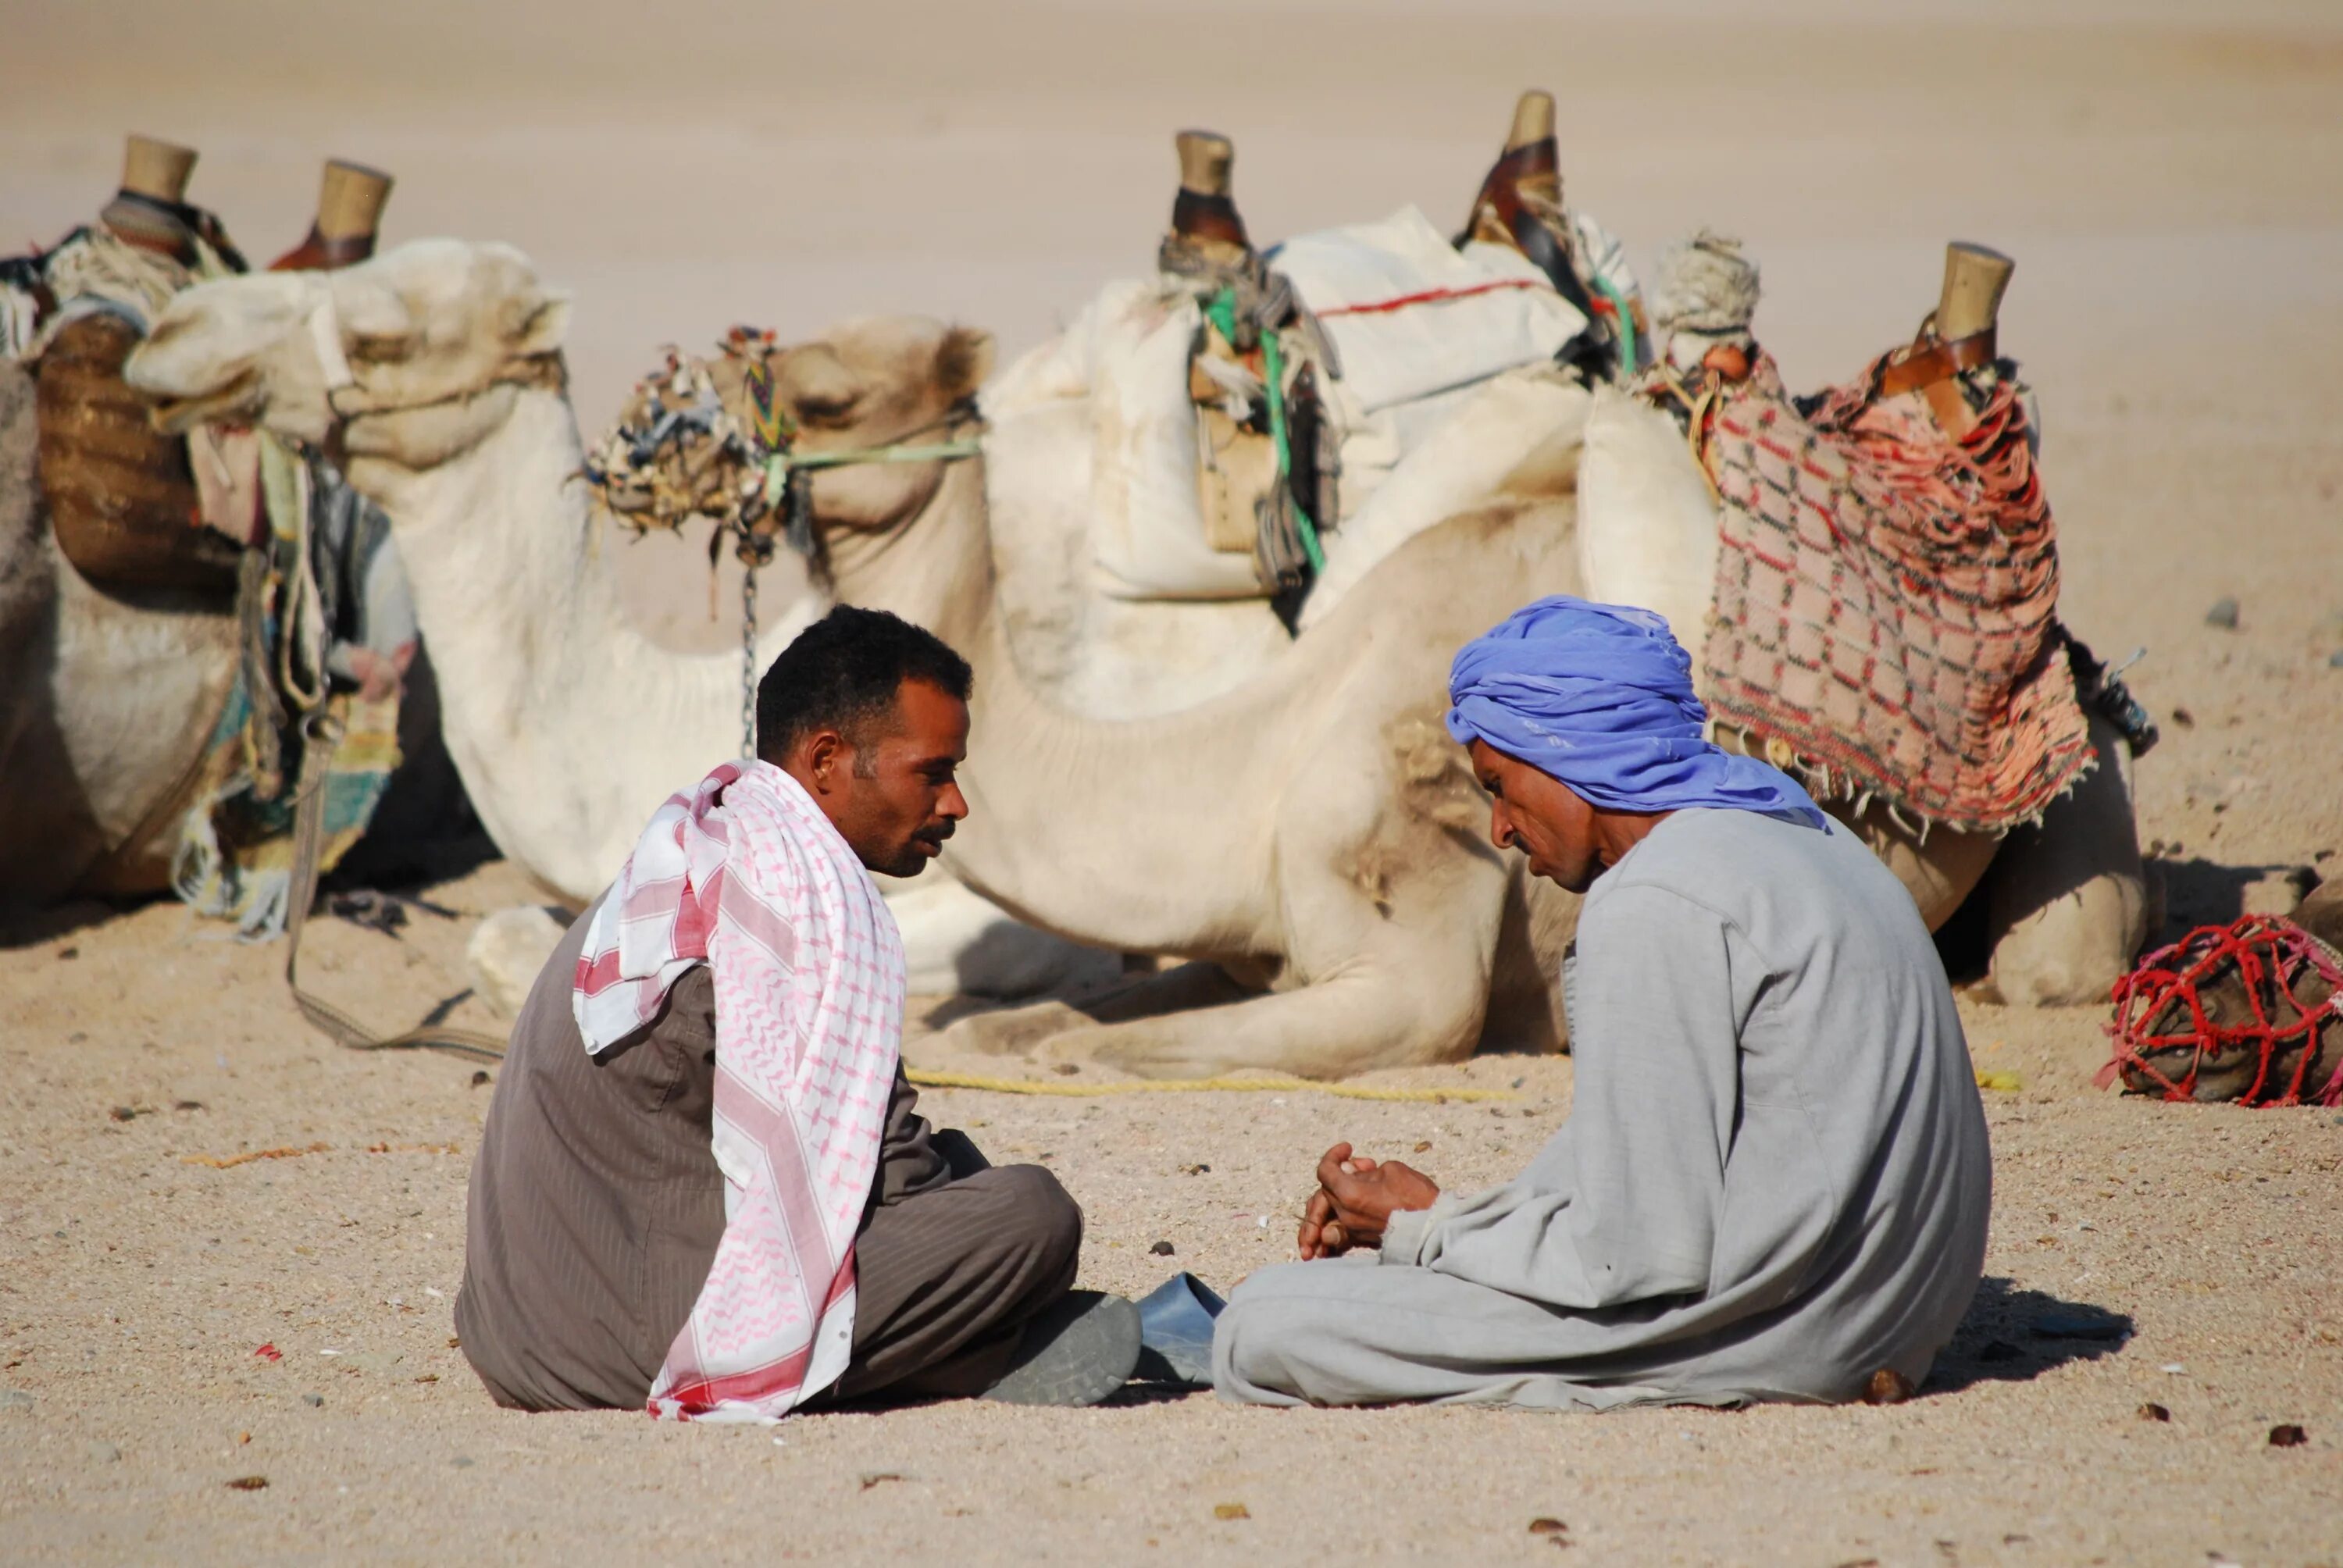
(1520, 200)
(1963, 335)
(1205, 223)
(150, 209)
(350, 199)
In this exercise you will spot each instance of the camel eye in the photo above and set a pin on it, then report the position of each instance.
(825, 412)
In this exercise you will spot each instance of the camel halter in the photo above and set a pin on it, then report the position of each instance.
(680, 452)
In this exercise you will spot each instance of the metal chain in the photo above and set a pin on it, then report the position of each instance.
(748, 660)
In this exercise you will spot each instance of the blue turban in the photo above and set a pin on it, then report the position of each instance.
(1600, 696)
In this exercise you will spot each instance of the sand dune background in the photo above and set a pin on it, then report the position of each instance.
(2170, 180)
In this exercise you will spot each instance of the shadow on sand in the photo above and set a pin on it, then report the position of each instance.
(2014, 1335)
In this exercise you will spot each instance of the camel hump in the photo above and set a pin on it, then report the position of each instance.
(1206, 227)
(350, 199)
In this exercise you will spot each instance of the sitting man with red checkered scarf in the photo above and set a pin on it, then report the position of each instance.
(703, 1187)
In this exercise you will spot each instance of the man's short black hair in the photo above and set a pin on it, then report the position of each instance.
(842, 673)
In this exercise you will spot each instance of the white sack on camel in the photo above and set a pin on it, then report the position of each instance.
(1444, 388)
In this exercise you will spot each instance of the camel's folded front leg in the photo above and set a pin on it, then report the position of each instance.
(2069, 898)
(1385, 973)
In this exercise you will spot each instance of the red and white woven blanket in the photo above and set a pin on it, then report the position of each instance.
(1887, 602)
(744, 873)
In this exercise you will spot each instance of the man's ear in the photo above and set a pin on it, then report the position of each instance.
(825, 758)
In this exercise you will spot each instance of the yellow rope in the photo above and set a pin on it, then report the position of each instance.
(927, 1078)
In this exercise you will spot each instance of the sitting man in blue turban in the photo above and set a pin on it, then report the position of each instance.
(1775, 1178)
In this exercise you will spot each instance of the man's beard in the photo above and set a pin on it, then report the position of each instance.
(923, 847)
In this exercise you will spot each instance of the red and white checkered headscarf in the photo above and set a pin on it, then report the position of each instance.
(745, 873)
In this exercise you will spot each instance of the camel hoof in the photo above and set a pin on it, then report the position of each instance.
(509, 952)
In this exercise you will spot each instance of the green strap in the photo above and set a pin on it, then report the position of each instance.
(1273, 361)
(1626, 324)
(778, 465)
(1222, 313)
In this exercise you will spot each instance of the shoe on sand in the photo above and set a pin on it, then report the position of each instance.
(1076, 1354)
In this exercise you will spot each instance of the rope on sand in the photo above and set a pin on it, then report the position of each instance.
(927, 1078)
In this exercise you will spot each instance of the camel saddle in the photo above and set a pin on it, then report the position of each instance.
(121, 495)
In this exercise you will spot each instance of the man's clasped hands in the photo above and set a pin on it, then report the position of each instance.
(1356, 1197)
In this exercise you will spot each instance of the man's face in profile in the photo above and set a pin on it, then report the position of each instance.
(1536, 813)
(899, 797)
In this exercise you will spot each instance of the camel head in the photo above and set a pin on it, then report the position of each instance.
(683, 446)
(878, 381)
(414, 357)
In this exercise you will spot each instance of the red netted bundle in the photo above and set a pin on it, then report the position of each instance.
(2251, 1003)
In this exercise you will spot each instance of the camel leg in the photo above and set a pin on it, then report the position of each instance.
(2067, 899)
(955, 943)
(509, 952)
(1393, 973)
(1373, 1016)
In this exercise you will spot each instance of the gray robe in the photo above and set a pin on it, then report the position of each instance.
(1774, 1180)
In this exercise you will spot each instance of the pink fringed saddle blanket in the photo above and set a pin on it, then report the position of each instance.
(1887, 602)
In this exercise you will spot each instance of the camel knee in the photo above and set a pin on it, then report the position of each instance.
(507, 952)
(2068, 901)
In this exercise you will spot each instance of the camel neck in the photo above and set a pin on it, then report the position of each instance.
(1061, 807)
(567, 724)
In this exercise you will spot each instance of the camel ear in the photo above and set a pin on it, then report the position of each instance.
(963, 362)
(537, 324)
(816, 382)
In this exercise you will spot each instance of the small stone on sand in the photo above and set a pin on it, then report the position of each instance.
(1888, 1386)
(2224, 614)
(1162, 1248)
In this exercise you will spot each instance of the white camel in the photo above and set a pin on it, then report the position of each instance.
(106, 699)
(1311, 831)
(568, 725)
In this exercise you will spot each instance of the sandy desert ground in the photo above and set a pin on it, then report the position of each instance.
(2171, 182)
